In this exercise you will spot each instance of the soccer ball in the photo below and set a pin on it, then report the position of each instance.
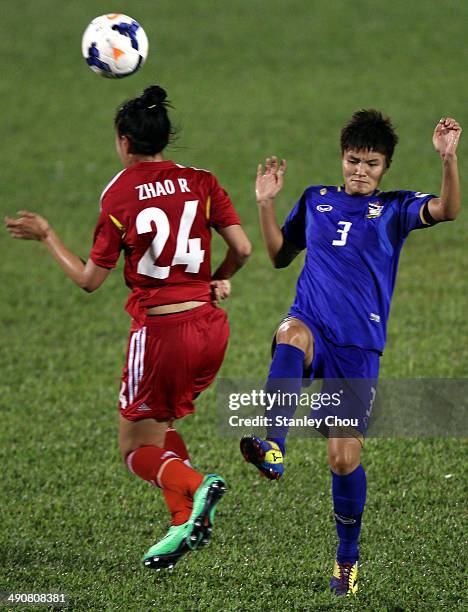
(114, 45)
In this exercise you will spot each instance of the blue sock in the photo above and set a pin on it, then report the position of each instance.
(349, 498)
(285, 376)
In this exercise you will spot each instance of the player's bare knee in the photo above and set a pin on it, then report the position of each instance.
(342, 464)
(344, 456)
(294, 333)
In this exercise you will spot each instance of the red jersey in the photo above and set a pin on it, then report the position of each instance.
(161, 214)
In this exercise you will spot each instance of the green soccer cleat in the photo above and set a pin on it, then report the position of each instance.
(205, 501)
(166, 553)
(344, 579)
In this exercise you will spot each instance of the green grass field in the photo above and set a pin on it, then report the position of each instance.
(247, 79)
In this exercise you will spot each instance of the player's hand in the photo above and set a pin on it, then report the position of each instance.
(27, 226)
(220, 290)
(269, 180)
(446, 136)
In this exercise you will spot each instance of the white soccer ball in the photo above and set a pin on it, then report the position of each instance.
(114, 45)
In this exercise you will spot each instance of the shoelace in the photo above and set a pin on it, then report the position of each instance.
(345, 571)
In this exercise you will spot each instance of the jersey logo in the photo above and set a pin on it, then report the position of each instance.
(323, 191)
(324, 207)
(143, 408)
(419, 194)
(374, 210)
(374, 317)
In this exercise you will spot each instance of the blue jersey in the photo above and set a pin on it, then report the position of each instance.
(353, 245)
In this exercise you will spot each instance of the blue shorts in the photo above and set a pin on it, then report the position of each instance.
(348, 373)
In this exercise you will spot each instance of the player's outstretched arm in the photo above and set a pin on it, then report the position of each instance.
(30, 226)
(445, 139)
(267, 186)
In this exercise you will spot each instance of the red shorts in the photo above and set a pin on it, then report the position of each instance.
(170, 360)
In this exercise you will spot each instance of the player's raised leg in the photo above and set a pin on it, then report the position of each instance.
(142, 446)
(293, 352)
(152, 399)
(349, 498)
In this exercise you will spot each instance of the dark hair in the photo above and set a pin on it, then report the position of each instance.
(145, 122)
(369, 130)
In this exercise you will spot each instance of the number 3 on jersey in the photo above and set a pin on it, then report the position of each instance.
(344, 233)
(188, 250)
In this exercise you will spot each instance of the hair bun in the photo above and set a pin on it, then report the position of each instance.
(152, 96)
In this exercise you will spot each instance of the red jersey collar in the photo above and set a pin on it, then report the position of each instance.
(154, 165)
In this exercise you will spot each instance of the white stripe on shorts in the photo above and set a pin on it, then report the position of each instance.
(142, 354)
(136, 363)
(131, 353)
(136, 360)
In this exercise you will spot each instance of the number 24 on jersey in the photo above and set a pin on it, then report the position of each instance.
(188, 250)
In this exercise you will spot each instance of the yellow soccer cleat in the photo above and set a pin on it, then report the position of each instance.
(344, 579)
(265, 455)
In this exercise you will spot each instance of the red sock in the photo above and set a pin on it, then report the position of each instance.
(180, 478)
(180, 506)
(147, 461)
(164, 469)
(175, 443)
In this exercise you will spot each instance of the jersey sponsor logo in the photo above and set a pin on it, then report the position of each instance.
(324, 207)
(374, 317)
(374, 210)
(419, 194)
